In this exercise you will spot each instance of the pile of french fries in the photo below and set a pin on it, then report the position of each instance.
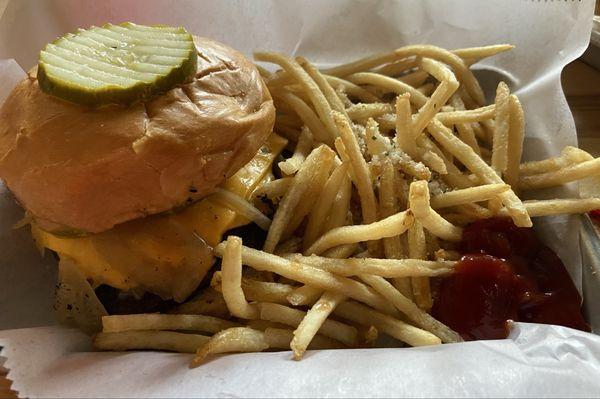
(391, 156)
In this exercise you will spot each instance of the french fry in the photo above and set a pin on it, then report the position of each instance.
(417, 250)
(149, 340)
(323, 204)
(405, 163)
(313, 321)
(398, 67)
(353, 90)
(415, 79)
(392, 246)
(361, 173)
(309, 197)
(342, 252)
(279, 78)
(340, 207)
(387, 123)
(473, 162)
(448, 85)
(231, 271)
(430, 219)
(260, 260)
(312, 89)
(408, 307)
(305, 295)
(516, 134)
(156, 321)
(477, 53)
(263, 325)
(537, 208)
(395, 328)
(317, 159)
(433, 161)
(362, 111)
(377, 144)
(567, 174)
(464, 75)
(391, 226)
(306, 114)
(363, 64)
(242, 207)
(281, 338)
(388, 268)
(453, 176)
(467, 195)
(266, 291)
(467, 116)
(465, 130)
(237, 339)
(569, 155)
(324, 86)
(501, 128)
(341, 332)
(343, 97)
(303, 148)
(405, 138)
(389, 85)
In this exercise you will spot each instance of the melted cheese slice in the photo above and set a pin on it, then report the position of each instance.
(166, 255)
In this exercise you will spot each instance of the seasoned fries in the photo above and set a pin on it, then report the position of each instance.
(391, 155)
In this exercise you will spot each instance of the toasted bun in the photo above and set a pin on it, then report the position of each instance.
(74, 167)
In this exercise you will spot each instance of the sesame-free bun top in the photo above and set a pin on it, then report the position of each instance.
(87, 169)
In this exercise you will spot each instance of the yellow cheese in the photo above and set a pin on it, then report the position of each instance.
(163, 254)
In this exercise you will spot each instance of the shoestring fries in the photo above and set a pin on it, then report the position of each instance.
(388, 157)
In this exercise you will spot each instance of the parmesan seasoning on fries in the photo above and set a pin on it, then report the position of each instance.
(390, 156)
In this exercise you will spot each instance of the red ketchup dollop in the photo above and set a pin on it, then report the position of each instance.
(506, 274)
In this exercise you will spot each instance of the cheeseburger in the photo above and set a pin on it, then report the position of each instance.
(114, 142)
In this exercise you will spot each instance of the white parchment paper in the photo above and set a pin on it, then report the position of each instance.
(534, 361)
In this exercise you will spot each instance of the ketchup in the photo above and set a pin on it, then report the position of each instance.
(506, 274)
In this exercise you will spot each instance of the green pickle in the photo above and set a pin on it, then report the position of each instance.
(116, 64)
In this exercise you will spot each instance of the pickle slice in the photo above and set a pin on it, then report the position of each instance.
(116, 64)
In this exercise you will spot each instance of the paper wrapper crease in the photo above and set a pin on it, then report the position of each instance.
(534, 361)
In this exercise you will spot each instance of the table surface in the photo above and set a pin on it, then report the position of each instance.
(581, 84)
